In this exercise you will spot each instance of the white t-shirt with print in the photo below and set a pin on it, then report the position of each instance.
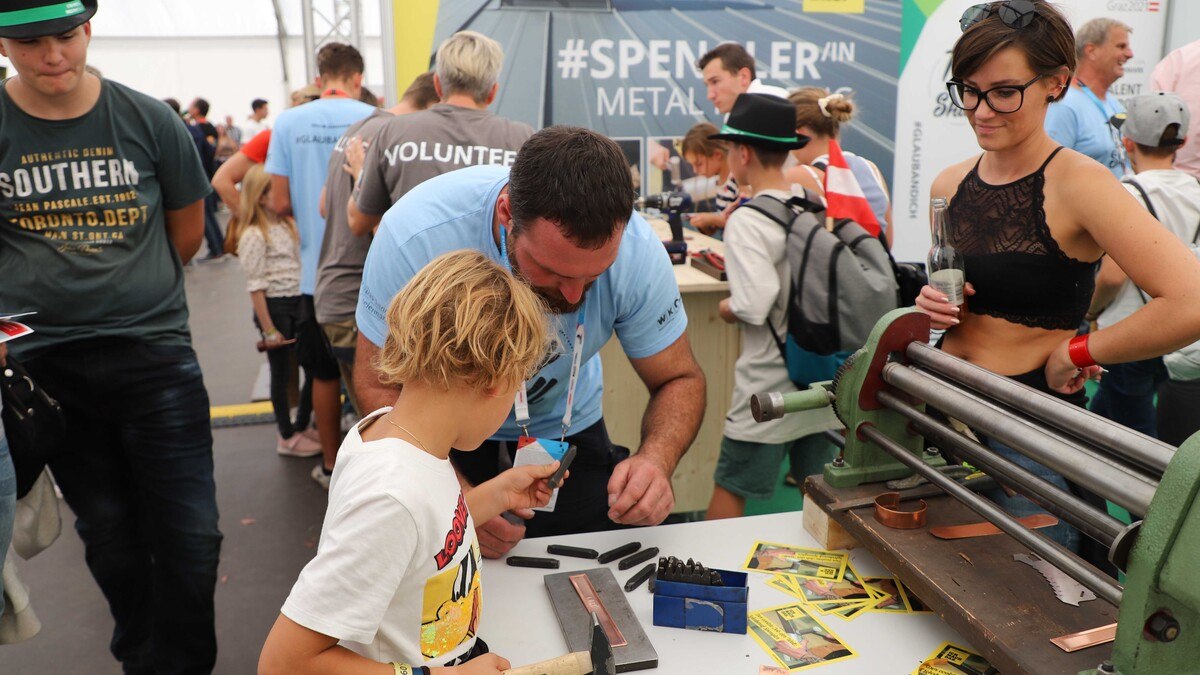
(759, 277)
(396, 575)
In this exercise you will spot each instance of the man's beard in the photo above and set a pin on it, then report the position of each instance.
(554, 301)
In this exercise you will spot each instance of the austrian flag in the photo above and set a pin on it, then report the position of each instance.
(843, 195)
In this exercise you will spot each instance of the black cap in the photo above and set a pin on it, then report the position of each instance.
(763, 121)
(25, 19)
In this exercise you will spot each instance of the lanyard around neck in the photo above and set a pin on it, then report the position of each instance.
(1104, 110)
(521, 400)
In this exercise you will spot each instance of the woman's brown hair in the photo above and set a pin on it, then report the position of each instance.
(1048, 43)
(826, 122)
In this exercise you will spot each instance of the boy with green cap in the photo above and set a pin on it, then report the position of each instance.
(760, 132)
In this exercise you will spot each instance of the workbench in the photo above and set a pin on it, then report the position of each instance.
(519, 624)
(716, 345)
(974, 583)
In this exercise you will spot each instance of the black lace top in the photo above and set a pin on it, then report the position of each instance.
(1018, 271)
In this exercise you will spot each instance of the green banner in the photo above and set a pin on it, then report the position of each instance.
(912, 23)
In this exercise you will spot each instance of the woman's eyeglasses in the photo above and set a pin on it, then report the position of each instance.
(1006, 98)
(1015, 14)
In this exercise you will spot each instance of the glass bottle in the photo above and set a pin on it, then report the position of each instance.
(947, 273)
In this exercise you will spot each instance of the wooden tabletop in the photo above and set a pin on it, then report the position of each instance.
(693, 280)
(1003, 607)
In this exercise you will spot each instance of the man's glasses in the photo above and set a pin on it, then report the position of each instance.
(1015, 14)
(1006, 98)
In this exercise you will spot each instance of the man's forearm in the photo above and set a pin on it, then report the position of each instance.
(672, 419)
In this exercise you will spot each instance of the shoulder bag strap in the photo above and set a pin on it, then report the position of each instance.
(1145, 197)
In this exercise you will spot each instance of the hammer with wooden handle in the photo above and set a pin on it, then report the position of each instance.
(598, 660)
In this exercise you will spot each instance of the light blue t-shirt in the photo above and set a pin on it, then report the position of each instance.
(637, 297)
(1079, 123)
(301, 144)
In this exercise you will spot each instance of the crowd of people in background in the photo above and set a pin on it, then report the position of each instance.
(332, 214)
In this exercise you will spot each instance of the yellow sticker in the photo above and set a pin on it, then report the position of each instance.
(835, 6)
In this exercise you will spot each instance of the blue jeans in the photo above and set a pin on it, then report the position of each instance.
(136, 467)
(8, 505)
(1018, 506)
(1126, 394)
(212, 229)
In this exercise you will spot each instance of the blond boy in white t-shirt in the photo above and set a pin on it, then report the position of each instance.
(395, 585)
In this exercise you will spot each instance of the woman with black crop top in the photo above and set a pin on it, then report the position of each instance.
(1034, 219)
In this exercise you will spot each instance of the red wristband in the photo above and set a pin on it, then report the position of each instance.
(1077, 349)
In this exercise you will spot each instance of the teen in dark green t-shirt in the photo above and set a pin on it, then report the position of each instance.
(83, 237)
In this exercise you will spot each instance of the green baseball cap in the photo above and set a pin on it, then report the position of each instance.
(25, 19)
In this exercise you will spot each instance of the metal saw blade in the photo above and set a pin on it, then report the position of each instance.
(1065, 588)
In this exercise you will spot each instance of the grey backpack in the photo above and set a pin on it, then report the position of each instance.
(843, 281)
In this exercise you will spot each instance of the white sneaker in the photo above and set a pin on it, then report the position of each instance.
(312, 435)
(298, 445)
(322, 478)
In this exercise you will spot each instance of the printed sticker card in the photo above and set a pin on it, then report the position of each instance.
(796, 639)
(891, 599)
(820, 590)
(797, 561)
(950, 659)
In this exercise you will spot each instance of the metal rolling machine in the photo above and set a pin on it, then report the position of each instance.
(882, 393)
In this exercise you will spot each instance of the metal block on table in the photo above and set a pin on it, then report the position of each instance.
(575, 619)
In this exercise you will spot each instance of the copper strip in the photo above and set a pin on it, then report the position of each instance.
(593, 604)
(887, 512)
(986, 529)
(1073, 642)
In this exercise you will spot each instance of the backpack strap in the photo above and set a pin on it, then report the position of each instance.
(1196, 237)
(1145, 197)
(781, 212)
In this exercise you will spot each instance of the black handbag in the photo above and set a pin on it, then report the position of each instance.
(34, 424)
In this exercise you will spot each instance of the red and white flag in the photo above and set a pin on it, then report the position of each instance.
(844, 196)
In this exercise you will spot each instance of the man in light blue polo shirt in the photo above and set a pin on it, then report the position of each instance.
(561, 221)
(1085, 119)
(298, 157)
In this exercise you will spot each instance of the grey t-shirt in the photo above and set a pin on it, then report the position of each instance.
(411, 149)
(83, 202)
(340, 265)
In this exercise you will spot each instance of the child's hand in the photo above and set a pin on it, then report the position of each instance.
(525, 487)
(518, 489)
(486, 664)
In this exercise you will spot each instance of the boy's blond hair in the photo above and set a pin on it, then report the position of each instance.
(464, 320)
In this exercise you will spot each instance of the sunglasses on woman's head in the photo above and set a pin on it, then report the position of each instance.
(1015, 14)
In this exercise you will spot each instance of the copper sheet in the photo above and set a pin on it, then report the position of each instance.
(986, 529)
(591, 600)
(1073, 642)
(887, 511)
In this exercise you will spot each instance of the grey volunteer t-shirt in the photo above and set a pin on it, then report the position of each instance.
(83, 237)
(339, 268)
(416, 147)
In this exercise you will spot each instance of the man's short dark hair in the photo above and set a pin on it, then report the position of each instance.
(201, 106)
(421, 93)
(769, 158)
(173, 103)
(576, 178)
(338, 60)
(733, 57)
(257, 104)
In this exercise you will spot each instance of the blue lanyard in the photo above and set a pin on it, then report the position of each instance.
(521, 400)
(1104, 110)
(1118, 155)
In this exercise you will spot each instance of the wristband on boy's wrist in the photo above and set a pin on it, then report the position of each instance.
(405, 669)
(1077, 350)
